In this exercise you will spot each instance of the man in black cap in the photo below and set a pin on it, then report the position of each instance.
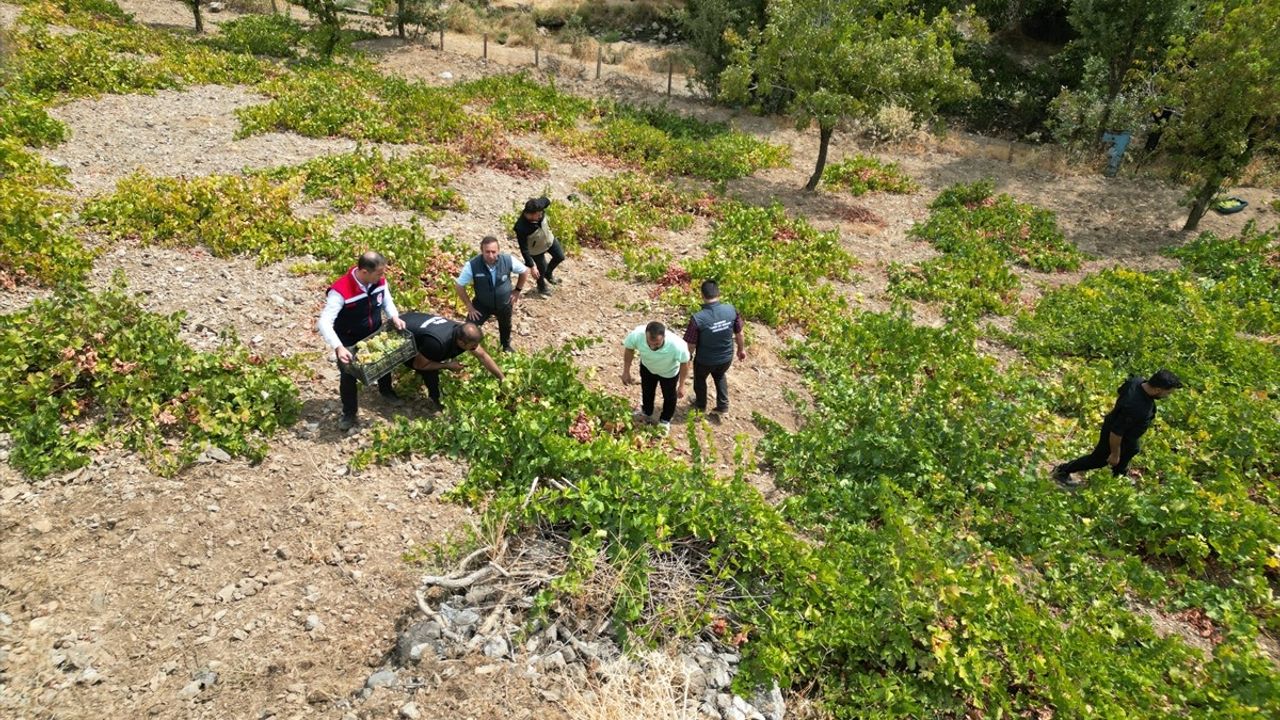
(439, 341)
(712, 334)
(1134, 411)
(536, 240)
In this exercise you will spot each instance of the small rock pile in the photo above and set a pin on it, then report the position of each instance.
(558, 653)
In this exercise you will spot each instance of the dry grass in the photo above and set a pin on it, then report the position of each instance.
(465, 19)
(1046, 158)
(516, 29)
(1263, 172)
(658, 62)
(260, 7)
(653, 687)
(584, 48)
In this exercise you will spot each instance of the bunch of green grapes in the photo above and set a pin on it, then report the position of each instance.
(375, 348)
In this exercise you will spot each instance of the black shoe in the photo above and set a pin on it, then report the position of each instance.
(544, 292)
(722, 409)
(508, 349)
(553, 281)
(347, 422)
(392, 397)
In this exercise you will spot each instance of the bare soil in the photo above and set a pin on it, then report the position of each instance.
(118, 585)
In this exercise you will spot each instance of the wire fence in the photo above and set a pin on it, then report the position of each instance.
(666, 73)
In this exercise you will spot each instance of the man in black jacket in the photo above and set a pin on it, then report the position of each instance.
(533, 234)
(1134, 411)
(440, 340)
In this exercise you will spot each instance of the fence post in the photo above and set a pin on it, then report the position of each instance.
(535, 55)
(671, 68)
(486, 46)
(599, 58)
(442, 38)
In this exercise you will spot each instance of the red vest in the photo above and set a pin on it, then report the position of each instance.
(361, 312)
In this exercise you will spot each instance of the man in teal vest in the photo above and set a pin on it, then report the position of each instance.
(490, 272)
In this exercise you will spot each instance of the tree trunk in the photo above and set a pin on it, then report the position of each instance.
(824, 140)
(1106, 116)
(400, 19)
(1214, 183)
(195, 10)
(1201, 204)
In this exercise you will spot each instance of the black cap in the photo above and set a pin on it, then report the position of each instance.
(536, 204)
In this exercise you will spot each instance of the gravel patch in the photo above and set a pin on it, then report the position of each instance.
(8, 15)
(173, 132)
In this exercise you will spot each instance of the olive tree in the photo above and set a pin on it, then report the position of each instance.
(704, 24)
(839, 61)
(422, 13)
(327, 13)
(194, 6)
(1124, 37)
(1226, 90)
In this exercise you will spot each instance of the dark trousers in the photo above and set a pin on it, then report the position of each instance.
(349, 391)
(431, 378)
(648, 387)
(717, 373)
(545, 269)
(1098, 458)
(504, 321)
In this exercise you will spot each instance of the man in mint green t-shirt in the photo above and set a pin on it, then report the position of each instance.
(663, 361)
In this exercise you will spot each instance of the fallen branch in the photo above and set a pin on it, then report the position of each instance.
(452, 582)
(466, 561)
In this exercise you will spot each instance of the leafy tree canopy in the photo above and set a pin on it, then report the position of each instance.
(838, 62)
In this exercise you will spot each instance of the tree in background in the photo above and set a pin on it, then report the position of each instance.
(194, 5)
(1122, 39)
(327, 13)
(1226, 89)
(839, 62)
(423, 13)
(708, 27)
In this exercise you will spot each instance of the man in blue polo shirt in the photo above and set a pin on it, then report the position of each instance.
(664, 361)
(490, 272)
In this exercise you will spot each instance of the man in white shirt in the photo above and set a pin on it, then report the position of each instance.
(490, 272)
(353, 310)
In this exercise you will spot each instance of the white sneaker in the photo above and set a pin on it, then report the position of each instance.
(665, 427)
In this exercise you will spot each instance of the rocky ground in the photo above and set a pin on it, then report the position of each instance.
(279, 590)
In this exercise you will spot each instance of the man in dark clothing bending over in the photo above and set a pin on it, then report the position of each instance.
(1133, 413)
(439, 341)
(536, 241)
(712, 334)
